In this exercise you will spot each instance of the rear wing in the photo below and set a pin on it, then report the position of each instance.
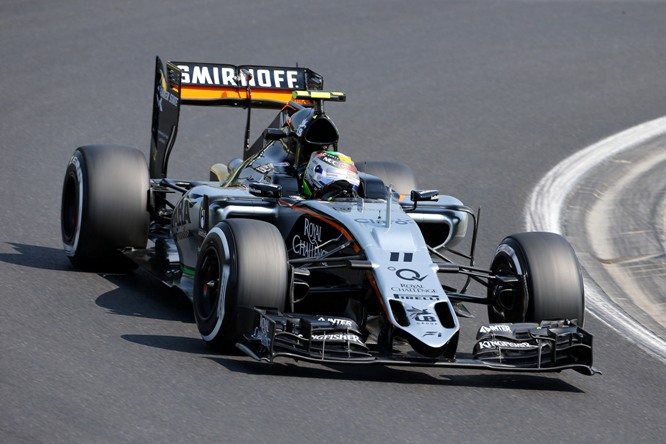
(208, 84)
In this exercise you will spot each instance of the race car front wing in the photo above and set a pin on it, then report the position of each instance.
(528, 347)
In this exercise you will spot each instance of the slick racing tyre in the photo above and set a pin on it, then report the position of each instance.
(399, 175)
(104, 205)
(553, 285)
(242, 264)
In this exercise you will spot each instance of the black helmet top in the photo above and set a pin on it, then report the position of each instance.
(310, 132)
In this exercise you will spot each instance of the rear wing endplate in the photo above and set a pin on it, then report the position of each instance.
(166, 110)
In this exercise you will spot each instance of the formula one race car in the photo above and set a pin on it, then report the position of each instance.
(295, 251)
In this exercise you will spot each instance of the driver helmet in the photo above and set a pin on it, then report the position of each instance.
(327, 168)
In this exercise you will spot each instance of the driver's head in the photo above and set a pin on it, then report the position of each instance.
(329, 171)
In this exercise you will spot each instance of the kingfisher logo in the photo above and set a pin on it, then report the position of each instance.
(485, 345)
(338, 337)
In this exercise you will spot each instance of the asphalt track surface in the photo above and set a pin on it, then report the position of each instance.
(482, 99)
(615, 189)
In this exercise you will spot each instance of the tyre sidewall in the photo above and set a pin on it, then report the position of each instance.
(73, 197)
(215, 327)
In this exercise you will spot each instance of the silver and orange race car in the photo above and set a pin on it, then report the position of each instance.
(369, 274)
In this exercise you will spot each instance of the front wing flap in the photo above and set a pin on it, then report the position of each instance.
(550, 344)
(312, 337)
(530, 347)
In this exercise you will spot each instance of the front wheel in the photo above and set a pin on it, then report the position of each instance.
(551, 286)
(242, 264)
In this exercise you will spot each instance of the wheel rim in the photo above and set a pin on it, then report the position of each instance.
(213, 278)
(70, 210)
(508, 301)
(207, 304)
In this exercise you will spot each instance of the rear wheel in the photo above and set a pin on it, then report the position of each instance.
(399, 175)
(104, 205)
(553, 285)
(242, 264)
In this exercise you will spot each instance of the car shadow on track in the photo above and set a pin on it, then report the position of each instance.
(138, 294)
(402, 375)
(34, 256)
(174, 343)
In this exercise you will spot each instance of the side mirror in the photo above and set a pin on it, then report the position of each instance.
(265, 189)
(424, 195)
(274, 134)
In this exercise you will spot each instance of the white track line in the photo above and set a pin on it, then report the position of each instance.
(544, 213)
